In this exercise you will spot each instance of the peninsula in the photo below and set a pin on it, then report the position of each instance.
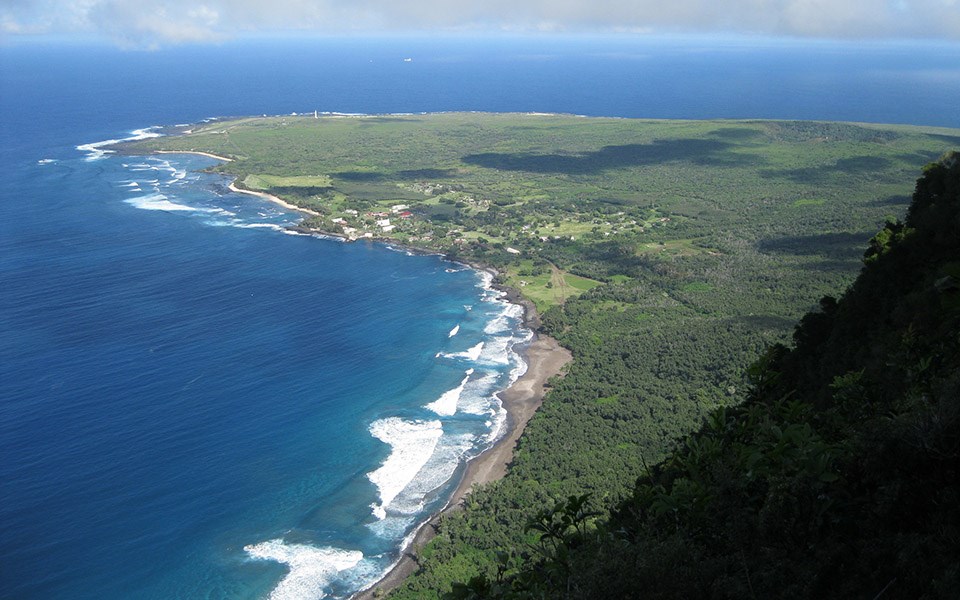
(665, 255)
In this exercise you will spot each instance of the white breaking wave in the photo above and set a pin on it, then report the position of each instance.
(95, 150)
(46, 161)
(502, 322)
(272, 226)
(311, 569)
(497, 351)
(486, 280)
(454, 331)
(160, 202)
(471, 354)
(478, 398)
(437, 471)
(411, 443)
(446, 405)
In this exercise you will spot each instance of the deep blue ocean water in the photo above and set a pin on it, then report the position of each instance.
(195, 404)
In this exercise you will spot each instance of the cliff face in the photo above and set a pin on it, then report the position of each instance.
(839, 477)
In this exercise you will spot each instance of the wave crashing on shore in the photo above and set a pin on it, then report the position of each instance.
(311, 569)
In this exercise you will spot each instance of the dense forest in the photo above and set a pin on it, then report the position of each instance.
(838, 477)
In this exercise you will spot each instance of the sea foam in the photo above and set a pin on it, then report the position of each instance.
(454, 331)
(158, 201)
(411, 445)
(471, 354)
(95, 150)
(446, 405)
(311, 569)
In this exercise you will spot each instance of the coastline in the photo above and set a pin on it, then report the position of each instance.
(545, 358)
(270, 197)
(233, 185)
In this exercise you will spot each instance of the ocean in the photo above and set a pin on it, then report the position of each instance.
(196, 403)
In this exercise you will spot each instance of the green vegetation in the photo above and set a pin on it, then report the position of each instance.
(267, 182)
(666, 255)
(839, 477)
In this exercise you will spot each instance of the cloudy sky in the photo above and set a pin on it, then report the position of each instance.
(167, 22)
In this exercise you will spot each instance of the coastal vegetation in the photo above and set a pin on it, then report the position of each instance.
(838, 477)
(669, 256)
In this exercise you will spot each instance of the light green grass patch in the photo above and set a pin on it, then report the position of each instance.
(266, 182)
(697, 286)
(549, 289)
(682, 247)
(809, 202)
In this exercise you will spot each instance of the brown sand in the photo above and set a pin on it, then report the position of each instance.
(233, 187)
(545, 358)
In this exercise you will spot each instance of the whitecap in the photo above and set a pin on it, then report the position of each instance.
(446, 405)
(311, 569)
(442, 464)
(496, 351)
(448, 455)
(95, 150)
(478, 397)
(411, 443)
(160, 202)
(454, 331)
(471, 354)
(46, 161)
(272, 226)
(497, 325)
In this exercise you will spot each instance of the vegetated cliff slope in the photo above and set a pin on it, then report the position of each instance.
(839, 477)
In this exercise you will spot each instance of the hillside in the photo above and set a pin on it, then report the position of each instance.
(839, 477)
(666, 255)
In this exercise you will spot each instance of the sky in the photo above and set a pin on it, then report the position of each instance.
(157, 23)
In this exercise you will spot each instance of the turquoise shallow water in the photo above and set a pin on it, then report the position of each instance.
(195, 404)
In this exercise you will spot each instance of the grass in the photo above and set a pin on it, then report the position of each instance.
(266, 182)
(809, 202)
(551, 288)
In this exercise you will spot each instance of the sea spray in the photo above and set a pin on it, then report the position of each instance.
(411, 445)
(446, 405)
(311, 569)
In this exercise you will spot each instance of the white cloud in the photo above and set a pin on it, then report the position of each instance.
(152, 22)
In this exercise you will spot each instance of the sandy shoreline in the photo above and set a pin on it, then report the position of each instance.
(233, 188)
(545, 358)
(197, 152)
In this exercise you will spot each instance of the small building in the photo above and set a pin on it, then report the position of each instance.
(383, 223)
(338, 221)
(389, 228)
(398, 207)
(512, 250)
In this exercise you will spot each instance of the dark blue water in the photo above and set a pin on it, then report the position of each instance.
(194, 404)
